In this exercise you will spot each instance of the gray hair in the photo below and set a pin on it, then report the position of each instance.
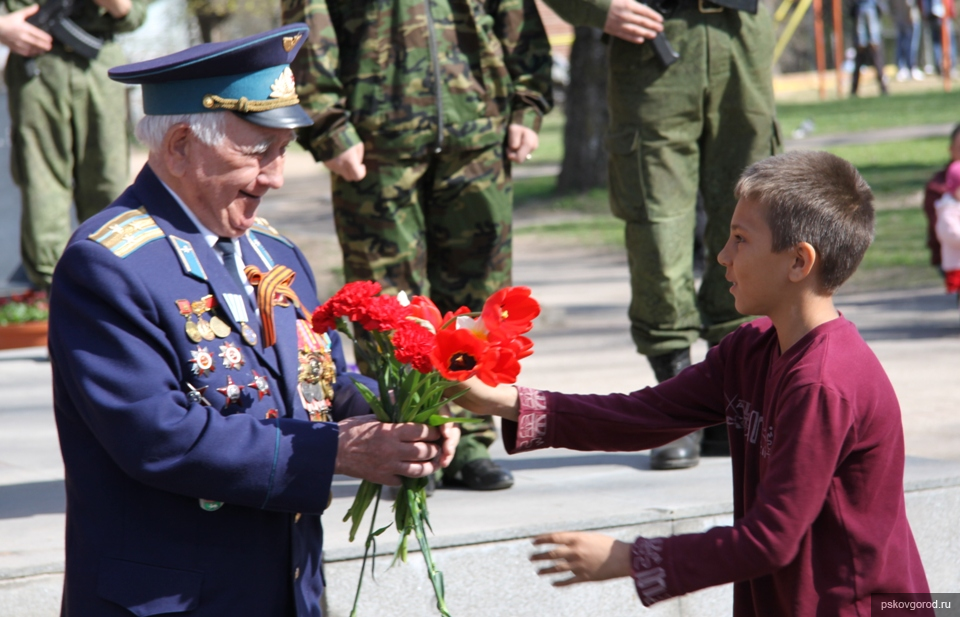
(207, 126)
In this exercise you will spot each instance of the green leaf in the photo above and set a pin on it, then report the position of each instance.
(373, 401)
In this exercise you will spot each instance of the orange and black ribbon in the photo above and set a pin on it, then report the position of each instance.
(274, 288)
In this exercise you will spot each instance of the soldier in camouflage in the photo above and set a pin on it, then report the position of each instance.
(420, 107)
(693, 125)
(68, 145)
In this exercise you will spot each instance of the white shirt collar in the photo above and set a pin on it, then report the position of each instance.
(209, 237)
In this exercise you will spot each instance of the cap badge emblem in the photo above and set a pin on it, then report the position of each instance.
(284, 87)
(289, 42)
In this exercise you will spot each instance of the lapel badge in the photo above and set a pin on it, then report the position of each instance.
(232, 356)
(231, 392)
(272, 414)
(202, 361)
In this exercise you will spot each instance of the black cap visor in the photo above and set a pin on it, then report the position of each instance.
(290, 117)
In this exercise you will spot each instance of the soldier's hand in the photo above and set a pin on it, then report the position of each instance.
(349, 164)
(632, 21)
(521, 142)
(382, 452)
(118, 9)
(587, 556)
(22, 38)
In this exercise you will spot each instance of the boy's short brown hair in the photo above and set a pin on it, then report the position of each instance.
(818, 198)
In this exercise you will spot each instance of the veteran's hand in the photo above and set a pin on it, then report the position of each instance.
(521, 142)
(632, 21)
(588, 556)
(349, 164)
(382, 452)
(22, 38)
(485, 400)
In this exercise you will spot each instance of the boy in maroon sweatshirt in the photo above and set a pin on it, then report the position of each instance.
(814, 424)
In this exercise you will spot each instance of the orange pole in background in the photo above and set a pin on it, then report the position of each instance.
(821, 55)
(946, 46)
(838, 51)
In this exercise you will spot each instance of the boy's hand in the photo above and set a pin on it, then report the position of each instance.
(521, 142)
(485, 400)
(588, 556)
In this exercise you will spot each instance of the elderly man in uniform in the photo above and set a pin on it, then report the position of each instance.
(676, 128)
(191, 396)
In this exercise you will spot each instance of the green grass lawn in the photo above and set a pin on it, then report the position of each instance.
(864, 114)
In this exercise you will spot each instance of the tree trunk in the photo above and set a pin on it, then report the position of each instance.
(585, 158)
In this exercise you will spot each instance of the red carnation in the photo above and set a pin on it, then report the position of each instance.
(413, 344)
(383, 313)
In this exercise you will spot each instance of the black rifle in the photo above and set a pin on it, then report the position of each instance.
(54, 18)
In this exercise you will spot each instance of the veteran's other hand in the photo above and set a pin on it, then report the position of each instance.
(349, 164)
(521, 142)
(382, 452)
(22, 38)
(632, 21)
(587, 556)
(485, 400)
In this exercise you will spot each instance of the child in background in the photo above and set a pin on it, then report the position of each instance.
(816, 439)
(948, 228)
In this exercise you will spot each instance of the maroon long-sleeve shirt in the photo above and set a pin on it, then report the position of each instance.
(817, 453)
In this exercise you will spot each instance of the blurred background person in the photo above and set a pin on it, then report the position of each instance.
(70, 141)
(935, 188)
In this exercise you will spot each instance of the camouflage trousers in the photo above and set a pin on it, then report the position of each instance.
(693, 126)
(70, 145)
(438, 226)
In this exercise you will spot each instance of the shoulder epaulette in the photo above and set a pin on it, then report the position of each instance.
(261, 226)
(127, 232)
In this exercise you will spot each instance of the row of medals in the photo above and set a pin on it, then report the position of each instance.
(201, 329)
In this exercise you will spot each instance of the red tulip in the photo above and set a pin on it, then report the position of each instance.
(458, 354)
(510, 311)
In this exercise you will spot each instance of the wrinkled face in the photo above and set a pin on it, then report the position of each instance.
(758, 275)
(224, 183)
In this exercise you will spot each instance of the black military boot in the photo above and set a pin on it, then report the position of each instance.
(684, 452)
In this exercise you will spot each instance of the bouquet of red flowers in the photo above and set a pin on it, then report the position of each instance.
(416, 354)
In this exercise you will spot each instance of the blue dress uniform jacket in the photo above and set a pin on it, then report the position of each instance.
(141, 451)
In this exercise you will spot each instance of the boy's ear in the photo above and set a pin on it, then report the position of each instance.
(804, 259)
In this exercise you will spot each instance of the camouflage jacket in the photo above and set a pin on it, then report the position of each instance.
(407, 81)
(94, 19)
(582, 12)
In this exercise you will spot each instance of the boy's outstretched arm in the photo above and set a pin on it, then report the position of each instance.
(588, 556)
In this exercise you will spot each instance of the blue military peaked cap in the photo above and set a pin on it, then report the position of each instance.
(250, 77)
